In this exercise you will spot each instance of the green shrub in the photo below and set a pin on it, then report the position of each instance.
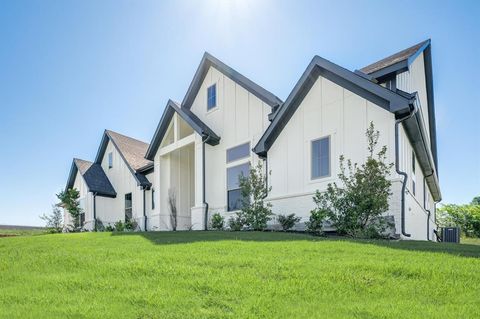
(288, 221)
(109, 228)
(119, 226)
(131, 225)
(355, 207)
(237, 222)
(315, 221)
(99, 225)
(217, 221)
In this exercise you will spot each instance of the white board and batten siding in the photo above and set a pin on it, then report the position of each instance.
(111, 210)
(238, 118)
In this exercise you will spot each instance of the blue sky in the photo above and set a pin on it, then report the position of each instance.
(70, 69)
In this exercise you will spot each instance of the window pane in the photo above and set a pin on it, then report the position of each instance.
(211, 97)
(110, 160)
(234, 199)
(238, 152)
(321, 157)
(233, 174)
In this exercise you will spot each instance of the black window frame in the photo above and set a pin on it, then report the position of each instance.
(214, 97)
(313, 160)
(110, 160)
(235, 190)
(128, 210)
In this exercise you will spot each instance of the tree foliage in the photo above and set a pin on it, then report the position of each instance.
(254, 190)
(53, 221)
(70, 202)
(467, 217)
(355, 207)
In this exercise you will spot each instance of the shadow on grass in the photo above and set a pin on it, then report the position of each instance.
(183, 237)
(462, 250)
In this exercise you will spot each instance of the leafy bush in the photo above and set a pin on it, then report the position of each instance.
(467, 217)
(315, 221)
(131, 225)
(237, 222)
(119, 226)
(99, 225)
(217, 221)
(254, 190)
(356, 207)
(288, 221)
(109, 228)
(54, 221)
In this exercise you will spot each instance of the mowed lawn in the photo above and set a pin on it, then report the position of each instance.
(234, 275)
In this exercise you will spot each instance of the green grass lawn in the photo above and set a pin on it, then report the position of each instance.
(234, 275)
(20, 231)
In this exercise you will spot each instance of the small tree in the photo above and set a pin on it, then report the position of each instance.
(288, 221)
(314, 224)
(254, 190)
(54, 221)
(172, 202)
(355, 207)
(70, 202)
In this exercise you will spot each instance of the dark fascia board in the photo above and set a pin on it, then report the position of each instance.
(415, 130)
(383, 97)
(209, 60)
(101, 153)
(71, 181)
(427, 56)
(195, 123)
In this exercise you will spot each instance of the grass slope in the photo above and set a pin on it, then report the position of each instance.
(234, 275)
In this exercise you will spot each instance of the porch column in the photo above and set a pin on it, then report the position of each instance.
(198, 211)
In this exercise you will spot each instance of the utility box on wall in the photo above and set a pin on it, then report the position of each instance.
(451, 235)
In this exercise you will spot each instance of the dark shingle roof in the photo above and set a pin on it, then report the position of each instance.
(94, 177)
(394, 58)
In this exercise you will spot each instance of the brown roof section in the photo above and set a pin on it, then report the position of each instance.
(82, 165)
(132, 150)
(395, 58)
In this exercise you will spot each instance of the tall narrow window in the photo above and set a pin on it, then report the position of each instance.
(211, 97)
(413, 174)
(110, 160)
(320, 158)
(238, 152)
(234, 194)
(128, 206)
(153, 198)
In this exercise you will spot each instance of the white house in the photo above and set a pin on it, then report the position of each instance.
(116, 185)
(226, 123)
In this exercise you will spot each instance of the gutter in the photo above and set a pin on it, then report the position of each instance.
(424, 204)
(410, 114)
(144, 211)
(205, 140)
(95, 211)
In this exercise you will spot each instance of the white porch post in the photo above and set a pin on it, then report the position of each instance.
(198, 211)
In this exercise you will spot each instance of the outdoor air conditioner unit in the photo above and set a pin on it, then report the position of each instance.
(451, 235)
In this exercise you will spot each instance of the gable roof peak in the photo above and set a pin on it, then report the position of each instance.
(208, 60)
